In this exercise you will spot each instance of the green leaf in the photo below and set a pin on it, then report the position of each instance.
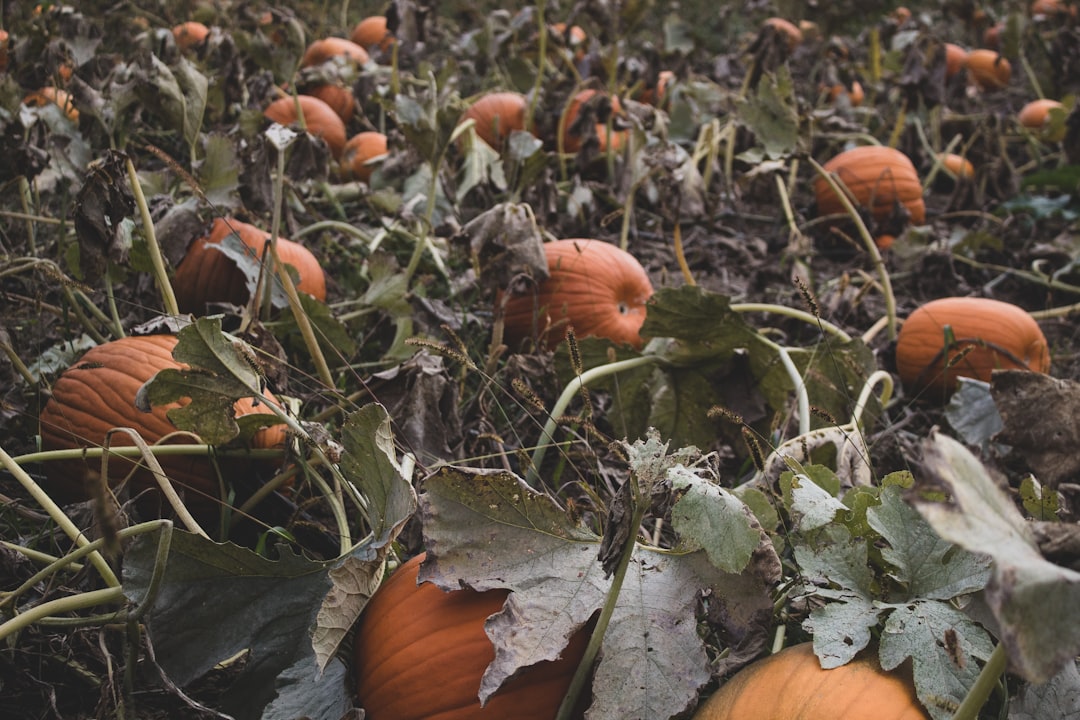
(812, 506)
(772, 115)
(218, 172)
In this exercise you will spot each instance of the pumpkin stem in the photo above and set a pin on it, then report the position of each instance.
(984, 685)
(160, 274)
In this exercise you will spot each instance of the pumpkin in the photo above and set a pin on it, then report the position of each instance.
(990, 334)
(957, 165)
(878, 178)
(318, 118)
(97, 394)
(572, 140)
(53, 96)
(791, 685)
(786, 29)
(955, 59)
(1036, 116)
(320, 51)
(988, 70)
(372, 32)
(855, 95)
(657, 94)
(5, 40)
(190, 34)
(340, 99)
(496, 115)
(206, 275)
(1051, 10)
(593, 285)
(360, 151)
(420, 653)
(575, 38)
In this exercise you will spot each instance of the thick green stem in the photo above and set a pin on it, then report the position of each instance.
(161, 276)
(984, 685)
(795, 314)
(61, 605)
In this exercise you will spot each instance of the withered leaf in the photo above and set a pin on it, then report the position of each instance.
(1041, 415)
(102, 204)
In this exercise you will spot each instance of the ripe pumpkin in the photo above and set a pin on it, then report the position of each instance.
(340, 99)
(593, 285)
(319, 119)
(1036, 116)
(575, 39)
(988, 70)
(206, 275)
(97, 394)
(190, 34)
(496, 115)
(572, 141)
(955, 59)
(789, 31)
(995, 335)
(420, 653)
(372, 32)
(657, 94)
(361, 149)
(791, 685)
(320, 51)
(855, 95)
(878, 178)
(53, 96)
(5, 40)
(958, 165)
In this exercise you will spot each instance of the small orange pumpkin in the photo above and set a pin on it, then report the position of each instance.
(573, 141)
(575, 39)
(420, 653)
(1036, 116)
(206, 275)
(988, 70)
(361, 149)
(593, 285)
(878, 178)
(496, 115)
(53, 96)
(955, 59)
(319, 119)
(5, 40)
(855, 95)
(789, 31)
(371, 32)
(791, 685)
(985, 335)
(190, 34)
(657, 94)
(320, 51)
(97, 394)
(958, 166)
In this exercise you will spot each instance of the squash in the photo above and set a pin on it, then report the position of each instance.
(326, 49)
(878, 179)
(988, 70)
(420, 653)
(993, 333)
(206, 275)
(190, 35)
(318, 119)
(957, 165)
(593, 286)
(53, 96)
(791, 685)
(339, 98)
(5, 41)
(656, 95)
(955, 59)
(360, 151)
(855, 94)
(496, 115)
(97, 393)
(371, 32)
(572, 140)
(790, 32)
(1036, 116)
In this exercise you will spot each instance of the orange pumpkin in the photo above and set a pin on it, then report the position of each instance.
(572, 141)
(420, 653)
(340, 99)
(361, 149)
(855, 95)
(790, 32)
(5, 40)
(206, 275)
(958, 166)
(575, 39)
(372, 32)
(988, 70)
(657, 94)
(593, 285)
(53, 96)
(496, 115)
(878, 178)
(1051, 10)
(190, 34)
(985, 335)
(791, 685)
(320, 51)
(319, 119)
(97, 394)
(1036, 116)
(955, 59)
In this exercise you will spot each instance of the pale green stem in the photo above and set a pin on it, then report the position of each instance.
(984, 685)
(161, 276)
(58, 516)
(532, 477)
(35, 555)
(868, 242)
(795, 314)
(802, 397)
(337, 225)
(115, 323)
(61, 605)
(27, 200)
(132, 451)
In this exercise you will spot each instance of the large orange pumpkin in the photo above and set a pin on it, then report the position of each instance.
(988, 70)
(372, 32)
(791, 685)
(319, 119)
(420, 653)
(320, 51)
(496, 115)
(990, 334)
(340, 98)
(955, 59)
(593, 285)
(207, 275)
(97, 394)
(878, 178)
(572, 140)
